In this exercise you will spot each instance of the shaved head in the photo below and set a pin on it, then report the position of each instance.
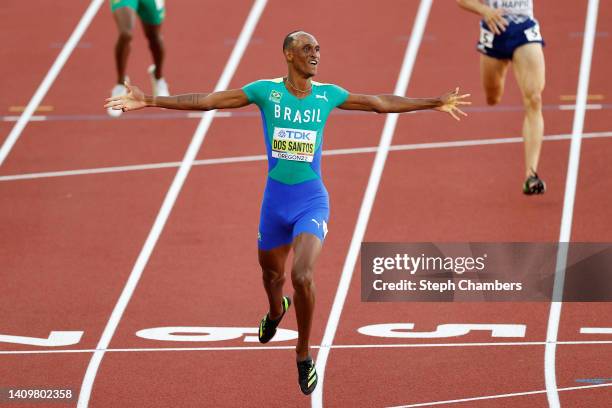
(291, 37)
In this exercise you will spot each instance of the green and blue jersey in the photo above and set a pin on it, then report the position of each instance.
(295, 200)
(293, 127)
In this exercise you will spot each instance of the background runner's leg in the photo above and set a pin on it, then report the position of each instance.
(124, 18)
(156, 45)
(307, 248)
(529, 69)
(493, 76)
(272, 264)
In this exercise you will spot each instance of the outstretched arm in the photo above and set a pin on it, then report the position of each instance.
(493, 17)
(135, 99)
(448, 103)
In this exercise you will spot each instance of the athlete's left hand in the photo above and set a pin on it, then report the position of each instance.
(451, 101)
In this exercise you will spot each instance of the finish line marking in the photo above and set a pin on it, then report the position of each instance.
(334, 152)
(334, 346)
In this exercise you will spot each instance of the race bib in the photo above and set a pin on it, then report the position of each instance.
(486, 37)
(533, 33)
(294, 144)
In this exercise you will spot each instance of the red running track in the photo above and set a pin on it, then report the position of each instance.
(72, 241)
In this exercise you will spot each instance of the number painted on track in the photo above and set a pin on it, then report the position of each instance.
(403, 330)
(249, 334)
(55, 339)
(198, 334)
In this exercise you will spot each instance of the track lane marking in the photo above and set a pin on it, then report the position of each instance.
(260, 157)
(554, 316)
(514, 394)
(52, 74)
(368, 200)
(336, 346)
(596, 330)
(590, 106)
(164, 212)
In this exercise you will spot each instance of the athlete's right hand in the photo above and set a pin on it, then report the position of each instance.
(495, 20)
(134, 99)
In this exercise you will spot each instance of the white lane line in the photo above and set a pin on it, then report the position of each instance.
(488, 397)
(98, 170)
(33, 118)
(201, 114)
(590, 106)
(54, 71)
(260, 157)
(596, 330)
(368, 201)
(166, 208)
(335, 346)
(554, 316)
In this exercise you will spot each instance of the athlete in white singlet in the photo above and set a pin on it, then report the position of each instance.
(510, 33)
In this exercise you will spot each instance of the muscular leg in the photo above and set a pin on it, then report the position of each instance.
(529, 69)
(307, 248)
(493, 76)
(272, 264)
(124, 17)
(156, 45)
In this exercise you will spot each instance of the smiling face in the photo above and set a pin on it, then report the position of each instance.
(303, 54)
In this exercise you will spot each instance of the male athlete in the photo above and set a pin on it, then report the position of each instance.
(295, 208)
(509, 32)
(151, 13)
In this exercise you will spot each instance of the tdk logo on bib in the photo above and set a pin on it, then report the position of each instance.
(294, 144)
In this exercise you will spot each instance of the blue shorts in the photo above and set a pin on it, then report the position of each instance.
(290, 210)
(502, 46)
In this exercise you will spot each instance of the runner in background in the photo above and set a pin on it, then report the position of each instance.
(510, 33)
(151, 14)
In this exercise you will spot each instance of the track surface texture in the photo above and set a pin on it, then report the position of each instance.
(80, 193)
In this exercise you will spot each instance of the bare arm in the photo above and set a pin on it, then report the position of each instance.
(136, 99)
(398, 104)
(388, 103)
(233, 98)
(493, 17)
